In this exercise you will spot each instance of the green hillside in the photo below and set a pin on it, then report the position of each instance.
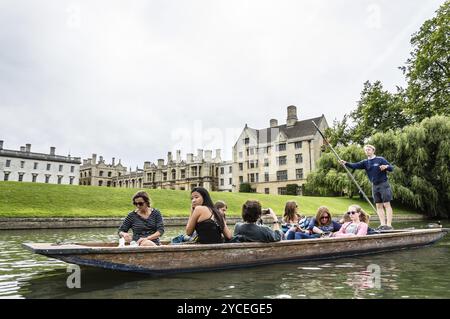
(47, 200)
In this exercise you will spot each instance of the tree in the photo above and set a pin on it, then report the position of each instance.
(292, 189)
(245, 188)
(331, 179)
(427, 69)
(378, 111)
(339, 133)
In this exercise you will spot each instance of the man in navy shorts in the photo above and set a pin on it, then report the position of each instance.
(376, 168)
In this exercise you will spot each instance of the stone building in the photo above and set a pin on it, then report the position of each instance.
(201, 170)
(226, 176)
(27, 166)
(99, 173)
(130, 179)
(271, 158)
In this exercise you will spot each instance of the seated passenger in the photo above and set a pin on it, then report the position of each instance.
(291, 216)
(357, 226)
(323, 224)
(146, 222)
(206, 220)
(222, 207)
(250, 231)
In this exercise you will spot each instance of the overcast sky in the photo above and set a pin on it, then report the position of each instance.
(135, 79)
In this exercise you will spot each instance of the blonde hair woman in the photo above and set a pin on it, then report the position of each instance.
(357, 226)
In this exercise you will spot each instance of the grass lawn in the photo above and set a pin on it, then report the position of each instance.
(47, 200)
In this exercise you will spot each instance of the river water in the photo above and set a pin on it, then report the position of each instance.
(413, 273)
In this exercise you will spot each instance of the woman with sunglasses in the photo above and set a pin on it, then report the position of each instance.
(146, 222)
(357, 226)
(323, 224)
(206, 220)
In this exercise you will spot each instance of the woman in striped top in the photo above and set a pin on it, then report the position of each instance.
(146, 222)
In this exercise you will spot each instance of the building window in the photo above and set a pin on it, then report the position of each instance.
(101, 173)
(108, 184)
(230, 181)
(60, 168)
(281, 160)
(35, 166)
(252, 178)
(174, 174)
(247, 141)
(266, 190)
(241, 179)
(230, 169)
(266, 177)
(281, 147)
(266, 162)
(8, 163)
(241, 154)
(282, 176)
(183, 174)
(21, 177)
(72, 169)
(241, 166)
(6, 176)
(257, 177)
(194, 171)
(59, 179)
(100, 183)
(222, 182)
(298, 145)
(47, 179)
(222, 170)
(164, 176)
(34, 178)
(299, 173)
(252, 164)
(71, 180)
(298, 158)
(22, 164)
(49, 166)
(267, 149)
(109, 174)
(282, 191)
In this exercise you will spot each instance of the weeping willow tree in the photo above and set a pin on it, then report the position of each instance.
(420, 154)
(330, 178)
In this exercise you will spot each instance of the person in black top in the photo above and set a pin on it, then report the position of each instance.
(205, 219)
(146, 222)
(249, 231)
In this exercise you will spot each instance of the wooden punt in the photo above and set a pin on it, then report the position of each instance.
(167, 259)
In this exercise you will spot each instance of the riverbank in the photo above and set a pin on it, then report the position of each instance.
(67, 223)
(34, 200)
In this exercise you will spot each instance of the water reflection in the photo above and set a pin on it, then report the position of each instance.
(415, 273)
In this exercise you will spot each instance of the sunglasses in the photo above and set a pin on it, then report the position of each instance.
(325, 217)
(351, 213)
(139, 203)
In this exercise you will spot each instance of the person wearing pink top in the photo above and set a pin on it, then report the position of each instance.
(357, 226)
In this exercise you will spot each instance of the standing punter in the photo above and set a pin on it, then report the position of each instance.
(377, 168)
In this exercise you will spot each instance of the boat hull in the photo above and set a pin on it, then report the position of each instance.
(167, 259)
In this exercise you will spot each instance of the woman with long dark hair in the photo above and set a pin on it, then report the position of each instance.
(205, 219)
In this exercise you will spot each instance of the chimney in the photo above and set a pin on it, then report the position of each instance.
(147, 165)
(218, 156)
(100, 159)
(169, 157)
(52, 150)
(178, 156)
(1, 145)
(208, 156)
(113, 161)
(190, 157)
(291, 115)
(28, 148)
(273, 123)
(160, 162)
(199, 155)
(22, 148)
(94, 159)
